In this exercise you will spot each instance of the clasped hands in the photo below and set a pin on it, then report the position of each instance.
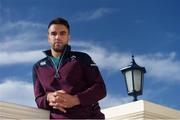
(62, 100)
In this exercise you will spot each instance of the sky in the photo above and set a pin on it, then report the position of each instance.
(110, 31)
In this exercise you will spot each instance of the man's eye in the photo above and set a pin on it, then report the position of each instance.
(63, 33)
(53, 33)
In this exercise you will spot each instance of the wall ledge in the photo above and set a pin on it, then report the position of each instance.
(141, 110)
(16, 111)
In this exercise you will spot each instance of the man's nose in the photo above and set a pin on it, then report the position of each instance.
(58, 36)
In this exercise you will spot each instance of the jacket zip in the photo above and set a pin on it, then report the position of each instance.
(54, 66)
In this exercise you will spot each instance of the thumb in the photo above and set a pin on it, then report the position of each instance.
(61, 91)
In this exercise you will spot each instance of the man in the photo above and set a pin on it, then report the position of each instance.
(68, 83)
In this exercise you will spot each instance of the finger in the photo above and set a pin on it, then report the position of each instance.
(52, 104)
(54, 93)
(61, 91)
(61, 109)
(52, 100)
(59, 99)
(63, 105)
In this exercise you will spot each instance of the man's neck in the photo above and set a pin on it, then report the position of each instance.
(56, 54)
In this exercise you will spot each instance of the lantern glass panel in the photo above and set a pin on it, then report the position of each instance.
(128, 76)
(137, 80)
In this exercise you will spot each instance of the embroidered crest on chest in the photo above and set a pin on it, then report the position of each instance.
(43, 63)
(73, 57)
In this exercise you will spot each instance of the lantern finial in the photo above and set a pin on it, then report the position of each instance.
(132, 57)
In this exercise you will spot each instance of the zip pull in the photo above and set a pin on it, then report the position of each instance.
(56, 76)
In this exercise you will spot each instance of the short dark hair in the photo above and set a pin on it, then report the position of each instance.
(60, 20)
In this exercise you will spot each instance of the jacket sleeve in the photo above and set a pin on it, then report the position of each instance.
(96, 87)
(40, 95)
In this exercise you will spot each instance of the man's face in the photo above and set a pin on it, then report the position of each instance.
(58, 37)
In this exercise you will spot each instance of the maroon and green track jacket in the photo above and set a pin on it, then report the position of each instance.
(78, 75)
